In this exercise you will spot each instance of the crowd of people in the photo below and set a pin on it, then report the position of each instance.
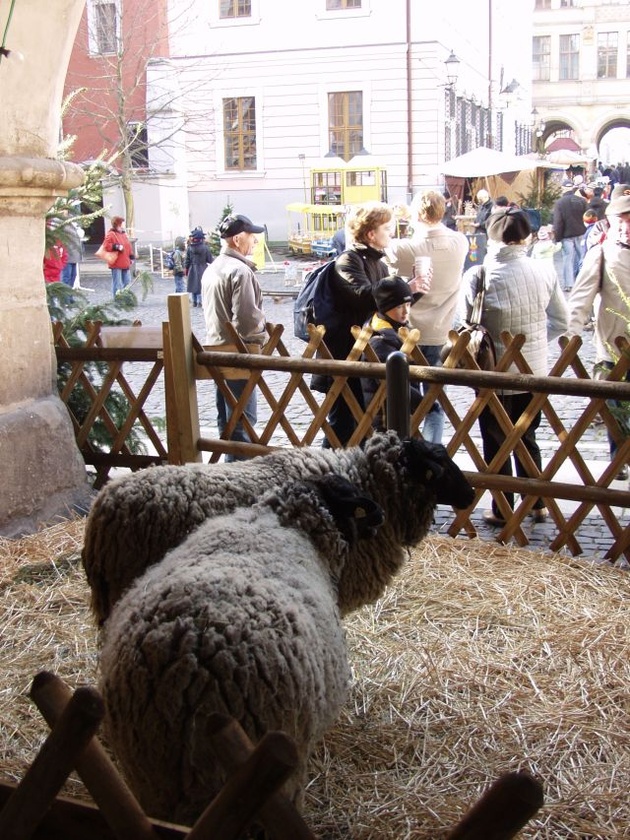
(542, 283)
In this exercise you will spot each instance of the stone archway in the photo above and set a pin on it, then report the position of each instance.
(618, 122)
(556, 128)
(42, 470)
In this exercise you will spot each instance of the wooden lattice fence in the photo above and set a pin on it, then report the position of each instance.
(291, 414)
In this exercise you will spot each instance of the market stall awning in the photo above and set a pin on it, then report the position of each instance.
(482, 162)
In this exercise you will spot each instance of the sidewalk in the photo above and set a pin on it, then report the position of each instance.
(593, 534)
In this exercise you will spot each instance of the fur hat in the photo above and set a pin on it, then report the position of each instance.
(510, 225)
(619, 200)
(233, 225)
(391, 292)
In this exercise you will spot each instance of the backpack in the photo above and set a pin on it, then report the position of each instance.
(312, 292)
(169, 260)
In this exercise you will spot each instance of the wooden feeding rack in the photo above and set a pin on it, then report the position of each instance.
(33, 809)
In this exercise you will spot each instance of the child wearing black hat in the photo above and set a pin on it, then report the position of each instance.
(390, 324)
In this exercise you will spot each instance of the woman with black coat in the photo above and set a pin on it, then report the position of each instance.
(198, 258)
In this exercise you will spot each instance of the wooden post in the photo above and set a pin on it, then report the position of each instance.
(180, 359)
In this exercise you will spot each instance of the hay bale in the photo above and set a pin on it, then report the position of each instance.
(480, 659)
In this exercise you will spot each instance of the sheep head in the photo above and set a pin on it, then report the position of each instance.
(431, 464)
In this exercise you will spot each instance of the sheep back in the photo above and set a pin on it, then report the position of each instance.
(241, 619)
(136, 519)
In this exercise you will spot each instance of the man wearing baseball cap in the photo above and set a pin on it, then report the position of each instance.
(231, 294)
(606, 272)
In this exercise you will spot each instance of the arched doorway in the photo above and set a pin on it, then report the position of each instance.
(613, 142)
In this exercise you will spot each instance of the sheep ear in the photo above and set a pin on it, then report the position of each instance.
(356, 515)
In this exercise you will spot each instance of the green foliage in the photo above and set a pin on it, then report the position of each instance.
(215, 239)
(541, 196)
(71, 308)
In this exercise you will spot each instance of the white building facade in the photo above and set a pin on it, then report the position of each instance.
(581, 70)
(269, 88)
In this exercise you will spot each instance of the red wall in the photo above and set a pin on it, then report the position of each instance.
(94, 114)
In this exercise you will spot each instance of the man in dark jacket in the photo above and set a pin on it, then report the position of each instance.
(568, 229)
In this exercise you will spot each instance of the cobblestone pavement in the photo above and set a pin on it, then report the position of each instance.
(593, 535)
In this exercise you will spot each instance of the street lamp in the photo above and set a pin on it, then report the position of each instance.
(452, 69)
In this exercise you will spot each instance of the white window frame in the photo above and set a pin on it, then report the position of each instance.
(217, 21)
(237, 93)
(333, 14)
(93, 45)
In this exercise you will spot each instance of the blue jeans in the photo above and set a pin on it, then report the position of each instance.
(120, 279)
(571, 258)
(69, 274)
(224, 412)
(433, 427)
(180, 283)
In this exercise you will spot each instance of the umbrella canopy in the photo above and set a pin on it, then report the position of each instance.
(482, 162)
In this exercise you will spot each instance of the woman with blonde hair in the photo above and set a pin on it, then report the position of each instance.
(434, 313)
(349, 298)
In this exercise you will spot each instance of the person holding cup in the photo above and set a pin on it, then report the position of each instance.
(348, 299)
(436, 254)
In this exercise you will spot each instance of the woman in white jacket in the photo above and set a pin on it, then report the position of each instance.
(522, 296)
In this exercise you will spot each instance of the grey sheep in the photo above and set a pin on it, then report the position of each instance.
(137, 519)
(243, 618)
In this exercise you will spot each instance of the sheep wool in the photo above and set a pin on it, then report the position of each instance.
(241, 619)
(137, 519)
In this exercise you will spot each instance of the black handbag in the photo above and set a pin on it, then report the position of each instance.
(480, 344)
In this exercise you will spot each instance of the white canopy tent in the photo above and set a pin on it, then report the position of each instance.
(482, 162)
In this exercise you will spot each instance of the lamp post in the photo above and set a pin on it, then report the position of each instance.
(301, 158)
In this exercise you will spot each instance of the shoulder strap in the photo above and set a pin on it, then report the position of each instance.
(477, 308)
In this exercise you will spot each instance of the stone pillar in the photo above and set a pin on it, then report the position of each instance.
(42, 471)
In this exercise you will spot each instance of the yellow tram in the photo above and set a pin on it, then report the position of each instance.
(334, 186)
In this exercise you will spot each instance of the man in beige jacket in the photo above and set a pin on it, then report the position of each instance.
(231, 294)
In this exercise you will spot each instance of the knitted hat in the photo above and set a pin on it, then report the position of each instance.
(233, 225)
(543, 233)
(619, 200)
(391, 292)
(197, 233)
(511, 225)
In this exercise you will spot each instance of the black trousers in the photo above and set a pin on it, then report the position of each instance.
(493, 437)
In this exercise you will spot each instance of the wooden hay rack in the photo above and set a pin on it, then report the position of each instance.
(33, 808)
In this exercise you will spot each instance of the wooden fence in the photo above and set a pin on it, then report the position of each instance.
(290, 414)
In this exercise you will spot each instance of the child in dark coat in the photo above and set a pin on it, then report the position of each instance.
(393, 299)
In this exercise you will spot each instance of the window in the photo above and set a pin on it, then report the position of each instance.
(607, 55)
(345, 123)
(567, 4)
(543, 4)
(541, 58)
(334, 5)
(569, 57)
(239, 133)
(235, 8)
(137, 144)
(103, 24)
(628, 58)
